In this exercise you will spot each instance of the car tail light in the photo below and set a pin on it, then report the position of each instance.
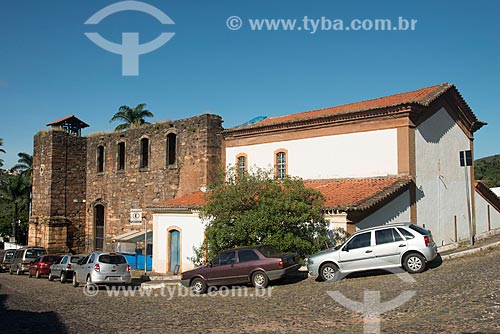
(128, 267)
(427, 241)
(281, 264)
(97, 267)
(68, 266)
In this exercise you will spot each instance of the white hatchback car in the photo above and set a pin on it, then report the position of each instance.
(382, 247)
(102, 268)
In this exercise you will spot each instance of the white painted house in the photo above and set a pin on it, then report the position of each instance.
(392, 159)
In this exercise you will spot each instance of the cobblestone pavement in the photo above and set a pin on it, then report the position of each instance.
(458, 296)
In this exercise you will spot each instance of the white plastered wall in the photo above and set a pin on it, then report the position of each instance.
(442, 184)
(396, 211)
(482, 208)
(191, 234)
(362, 154)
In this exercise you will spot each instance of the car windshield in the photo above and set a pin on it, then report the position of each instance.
(50, 259)
(34, 253)
(270, 251)
(112, 259)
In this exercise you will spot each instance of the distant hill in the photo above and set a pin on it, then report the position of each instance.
(487, 170)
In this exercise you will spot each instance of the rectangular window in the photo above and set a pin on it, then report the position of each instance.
(242, 165)
(171, 148)
(100, 159)
(280, 165)
(121, 156)
(144, 153)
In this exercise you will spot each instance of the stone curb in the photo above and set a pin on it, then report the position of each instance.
(159, 285)
(469, 251)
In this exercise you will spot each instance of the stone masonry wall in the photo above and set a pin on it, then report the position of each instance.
(198, 157)
(59, 174)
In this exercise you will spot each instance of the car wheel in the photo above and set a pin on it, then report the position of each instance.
(198, 285)
(29, 274)
(414, 263)
(329, 272)
(259, 280)
(37, 274)
(51, 277)
(75, 283)
(10, 271)
(62, 278)
(19, 271)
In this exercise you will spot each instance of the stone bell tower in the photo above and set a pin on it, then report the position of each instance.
(58, 214)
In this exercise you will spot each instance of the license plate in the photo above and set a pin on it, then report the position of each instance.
(114, 278)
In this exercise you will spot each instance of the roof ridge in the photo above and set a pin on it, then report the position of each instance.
(438, 90)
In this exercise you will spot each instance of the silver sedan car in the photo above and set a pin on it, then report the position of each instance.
(64, 268)
(383, 247)
(102, 268)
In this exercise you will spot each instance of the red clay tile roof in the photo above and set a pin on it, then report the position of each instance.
(70, 119)
(342, 194)
(193, 200)
(358, 194)
(423, 96)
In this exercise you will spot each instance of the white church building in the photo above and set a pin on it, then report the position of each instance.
(400, 158)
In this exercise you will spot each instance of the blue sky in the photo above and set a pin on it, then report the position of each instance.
(49, 69)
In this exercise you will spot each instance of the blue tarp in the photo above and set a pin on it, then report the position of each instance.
(137, 261)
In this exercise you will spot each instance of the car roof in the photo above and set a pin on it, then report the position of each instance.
(383, 226)
(245, 248)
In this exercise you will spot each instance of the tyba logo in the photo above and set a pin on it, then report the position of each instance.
(130, 49)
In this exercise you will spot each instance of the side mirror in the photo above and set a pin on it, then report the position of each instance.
(210, 264)
(345, 249)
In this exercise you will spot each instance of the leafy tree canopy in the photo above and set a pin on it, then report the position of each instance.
(488, 170)
(254, 208)
(131, 117)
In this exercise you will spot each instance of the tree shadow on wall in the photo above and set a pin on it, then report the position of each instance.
(16, 321)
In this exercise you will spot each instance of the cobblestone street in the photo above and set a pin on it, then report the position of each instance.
(459, 296)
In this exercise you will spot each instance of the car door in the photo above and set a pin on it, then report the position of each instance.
(248, 260)
(89, 266)
(223, 269)
(389, 246)
(81, 273)
(357, 253)
(55, 269)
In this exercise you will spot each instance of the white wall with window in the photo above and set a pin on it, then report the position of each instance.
(361, 154)
(442, 185)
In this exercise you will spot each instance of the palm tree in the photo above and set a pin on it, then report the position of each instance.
(1, 150)
(25, 165)
(15, 190)
(132, 117)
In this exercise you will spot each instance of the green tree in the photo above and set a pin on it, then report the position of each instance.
(2, 151)
(15, 191)
(132, 117)
(254, 208)
(487, 170)
(24, 165)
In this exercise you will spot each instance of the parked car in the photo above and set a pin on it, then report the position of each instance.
(102, 268)
(23, 257)
(41, 266)
(257, 265)
(5, 257)
(64, 268)
(383, 247)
